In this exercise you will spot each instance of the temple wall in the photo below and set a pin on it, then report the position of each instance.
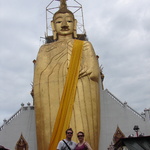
(23, 122)
(115, 113)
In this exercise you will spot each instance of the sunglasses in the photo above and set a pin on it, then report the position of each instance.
(80, 135)
(69, 133)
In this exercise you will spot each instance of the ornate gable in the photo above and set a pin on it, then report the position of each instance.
(21, 144)
(118, 134)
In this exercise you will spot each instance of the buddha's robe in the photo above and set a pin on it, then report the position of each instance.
(50, 73)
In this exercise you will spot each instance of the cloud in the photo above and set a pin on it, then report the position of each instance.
(119, 31)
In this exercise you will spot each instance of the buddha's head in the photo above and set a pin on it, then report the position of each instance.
(63, 22)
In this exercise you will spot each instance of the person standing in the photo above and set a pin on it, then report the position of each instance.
(82, 145)
(67, 144)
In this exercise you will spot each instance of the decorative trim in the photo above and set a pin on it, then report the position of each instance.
(118, 134)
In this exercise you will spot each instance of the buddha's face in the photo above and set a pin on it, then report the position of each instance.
(64, 23)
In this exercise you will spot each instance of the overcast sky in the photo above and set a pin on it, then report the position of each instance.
(118, 29)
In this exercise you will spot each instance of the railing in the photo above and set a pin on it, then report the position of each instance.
(123, 104)
(15, 115)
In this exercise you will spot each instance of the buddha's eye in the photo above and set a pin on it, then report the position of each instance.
(58, 21)
(69, 21)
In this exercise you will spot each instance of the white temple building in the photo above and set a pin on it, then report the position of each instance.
(117, 120)
(19, 130)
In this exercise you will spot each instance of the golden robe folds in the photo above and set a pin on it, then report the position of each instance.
(51, 69)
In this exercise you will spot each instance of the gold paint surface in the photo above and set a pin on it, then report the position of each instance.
(51, 69)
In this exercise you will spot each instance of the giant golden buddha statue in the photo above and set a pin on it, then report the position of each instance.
(66, 85)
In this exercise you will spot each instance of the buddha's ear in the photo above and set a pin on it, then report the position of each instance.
(75, 29)
(54, 31)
